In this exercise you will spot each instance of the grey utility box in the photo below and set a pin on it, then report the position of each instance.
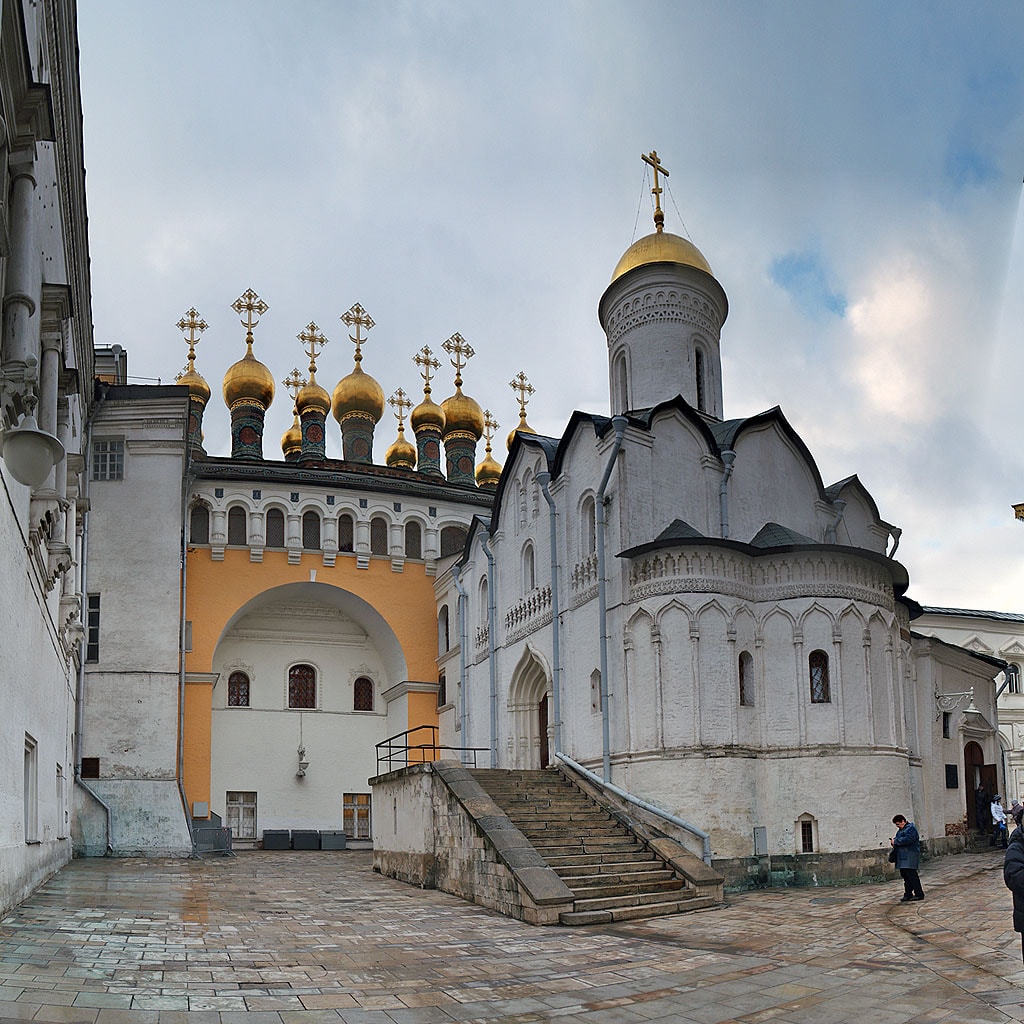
(276, 839)
(305, 839)
(332, 841)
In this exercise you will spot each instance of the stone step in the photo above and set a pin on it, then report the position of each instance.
(601, 900)
(591, 844)
(634, 913)
(583, 860)
(621, 877)
(650, 891)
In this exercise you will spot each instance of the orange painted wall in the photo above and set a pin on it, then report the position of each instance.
(197, 753)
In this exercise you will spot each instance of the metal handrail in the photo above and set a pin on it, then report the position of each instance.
(389, 750)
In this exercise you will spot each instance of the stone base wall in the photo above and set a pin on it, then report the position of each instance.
(25, 867)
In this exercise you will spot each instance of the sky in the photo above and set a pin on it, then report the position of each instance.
(852, 171)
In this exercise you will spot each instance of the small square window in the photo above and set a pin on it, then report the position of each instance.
(90, 767)
(108, 459)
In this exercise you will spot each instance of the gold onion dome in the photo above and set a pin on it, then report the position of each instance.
(427, 414)
(196, 384)
(463, 413)
(313, 397)
(291, 439)
(402, 452)
(488, 472)
(660, 247)
(522, 428)
(358, 392)
(249, 379)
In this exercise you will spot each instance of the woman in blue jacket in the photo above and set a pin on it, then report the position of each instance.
(907, 844)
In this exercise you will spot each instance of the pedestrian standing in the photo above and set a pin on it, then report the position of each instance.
(907, 844)
(998, 822)
(1013, 875)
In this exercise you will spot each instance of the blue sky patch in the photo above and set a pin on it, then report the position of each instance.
(806, 277)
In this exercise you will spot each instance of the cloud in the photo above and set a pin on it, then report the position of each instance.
(806, 277)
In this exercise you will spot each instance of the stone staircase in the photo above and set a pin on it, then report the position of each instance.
(613, 875)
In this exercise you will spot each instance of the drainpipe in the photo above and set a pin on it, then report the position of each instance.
(463, 639)
(728, 457)
(544, 479)
(186, 486)
(830, 534)
(619, 423)
(493, 668)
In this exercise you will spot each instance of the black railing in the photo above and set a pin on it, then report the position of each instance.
(419, 745)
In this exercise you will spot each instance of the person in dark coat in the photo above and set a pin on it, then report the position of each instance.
(1013, 875)
(982, 817)
(907, 844)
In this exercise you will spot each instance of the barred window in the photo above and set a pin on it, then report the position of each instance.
(108, 459)
(356, 810)
(238, 690)
(302, 686)
(275, 528)
(92, 628)
(362, 694)
(413, 540)
(818, 664)
(310, 531)
(199, 525)
(378, 536)
(237, 525)
(346, 532)
(442, 691)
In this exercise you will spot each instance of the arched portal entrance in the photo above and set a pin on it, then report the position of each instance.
(529, 694)
(978, 775)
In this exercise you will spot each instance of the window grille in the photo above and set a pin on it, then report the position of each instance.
(378, 536)
(238, 690)
(275, 528)
(356, 810)
(362, 694)
(818, 664)
(108, 460)
(310, 531)
(442, 691)
(413, 540)
(199, 525)
(240, 814)
(807, 837)
(302, 686)
(92, 628)
(237, 522)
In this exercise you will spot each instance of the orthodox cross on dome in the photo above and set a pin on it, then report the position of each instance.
(360, 318)
(652, 159)
(181, 373)
(522, 387)
(400, 402)
(312, 341)
(195, 325)
(461, 351)
(253, 307)
(294, 382)
(425, 360)
(490, 426)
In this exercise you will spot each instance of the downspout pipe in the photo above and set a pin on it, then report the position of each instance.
(830, 534)
(1011, 677)
(728, 458)
(491, 660)
(544, 479)
(463, 639)
(186, 485)
(619, 423)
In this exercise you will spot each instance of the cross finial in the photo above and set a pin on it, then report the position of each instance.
(312, 341)
(462, 351)
(195, 325)
(425, 360)
(522, 387)
(181, 373)
(652, 159)
(294, 382)
(490, 426)
(358, 316)
(253, 307)
(401, 404)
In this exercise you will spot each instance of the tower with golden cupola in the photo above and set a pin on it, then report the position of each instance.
(313, 403)
(248, 385)
(488, 473)
(427, 419)
(463, 417)
(198, 389)
(662, 314)
(523, 389)
(358, 400)
(402, 453)
(291, 439)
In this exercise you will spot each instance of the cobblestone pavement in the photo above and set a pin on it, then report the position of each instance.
(309, 937)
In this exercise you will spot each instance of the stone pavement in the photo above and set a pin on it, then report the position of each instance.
(310, 937)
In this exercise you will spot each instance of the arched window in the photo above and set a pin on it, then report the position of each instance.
(443, 636)
(698, 364)
(818, 665)
(622, 378)
(746, 672)
(237, 521)
(310, 531)
(346, 532)
(1013, 685)
(275, 528)
(302, 686)
(595, 690)
(588, 526)
(362, 694)
(529, 573)
(378, 536)
(453, 540)
(199, 525)
(413, 540)
(484, 600)
(238, 690)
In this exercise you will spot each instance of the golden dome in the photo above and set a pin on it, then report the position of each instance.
(312, 396)
(427, 414)
(358, 392)
(196, 384)
(463, 413)
(402, 453)
(291, 439)
(488, 472)
(248, 379)
(522, 428)
(660, 247)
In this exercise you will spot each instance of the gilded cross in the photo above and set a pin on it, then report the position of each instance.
(253, 307)
(462, 351)
(401, 404)
(195, 325)
(358, 316)
(425, 360)
(181, 373)
(522, 387)
(652, 159)
(294, 382)
(490, 426)
(312, 341)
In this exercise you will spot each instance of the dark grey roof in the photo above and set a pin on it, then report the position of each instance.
(974, 614)
(772, 535)
(679, 529)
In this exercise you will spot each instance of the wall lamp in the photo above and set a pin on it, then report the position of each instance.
(28, 452)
